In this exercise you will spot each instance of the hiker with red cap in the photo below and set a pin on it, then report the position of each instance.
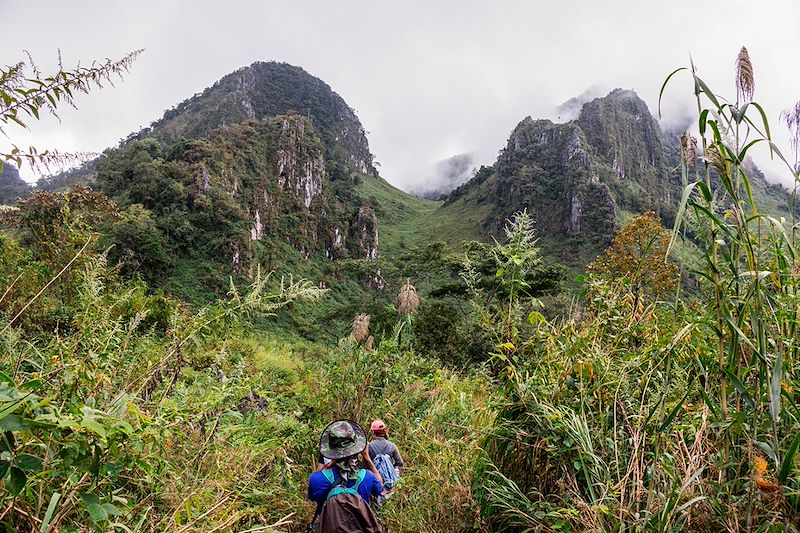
(385, 455)
(341, 489)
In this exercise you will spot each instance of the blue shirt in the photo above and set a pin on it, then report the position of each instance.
(318, 486)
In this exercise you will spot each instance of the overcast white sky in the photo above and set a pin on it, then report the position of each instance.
(428, 80)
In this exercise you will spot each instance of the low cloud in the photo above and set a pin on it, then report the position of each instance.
(570, 109)
(445, 176)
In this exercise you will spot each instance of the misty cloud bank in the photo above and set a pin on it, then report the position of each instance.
(445, 176)
(570, 109)
(427, 79)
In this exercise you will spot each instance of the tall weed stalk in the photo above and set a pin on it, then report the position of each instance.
(750, 280)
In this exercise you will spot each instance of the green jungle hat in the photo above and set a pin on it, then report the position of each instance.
(341, 439)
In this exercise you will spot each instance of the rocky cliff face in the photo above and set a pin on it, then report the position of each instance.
(267, 158)
(628, 139)
(574, 178)
(365, 229)
(268, 89)
(300, 164)
(242, 193)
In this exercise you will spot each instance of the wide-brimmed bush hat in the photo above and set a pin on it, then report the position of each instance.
(341, 439)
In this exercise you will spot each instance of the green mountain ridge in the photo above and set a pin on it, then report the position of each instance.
(583, 179)
(268, 89)
(270, 162)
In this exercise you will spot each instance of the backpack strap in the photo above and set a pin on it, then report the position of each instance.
(331, 477)
(362, 474)
(342, 488)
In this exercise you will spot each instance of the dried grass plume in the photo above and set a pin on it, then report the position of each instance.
(745, 84)
(407, 299)
(360, 329)
(791, 118)
(689, 149)
(717, 160)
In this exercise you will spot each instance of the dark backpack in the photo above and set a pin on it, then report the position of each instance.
(344, 510)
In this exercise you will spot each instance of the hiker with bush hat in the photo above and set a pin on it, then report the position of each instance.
(342, 490)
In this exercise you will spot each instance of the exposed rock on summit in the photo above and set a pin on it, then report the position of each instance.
(268, 89)
(575, 177)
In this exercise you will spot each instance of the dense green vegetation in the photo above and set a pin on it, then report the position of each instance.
(123, 409)
(158, 379)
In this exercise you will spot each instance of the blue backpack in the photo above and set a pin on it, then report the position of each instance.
(385, 467)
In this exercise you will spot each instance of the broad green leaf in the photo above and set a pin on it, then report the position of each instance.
(535, 317)
(687, 193)
(110, 509)
(97, 512)
(702, 121)
(672, 414)
(764, 121)
(506, 347)
(711, 404)
(13, 423)
(664, 86)
(28, 463)
(739, 114)
(95, 426)
(767, 449)
(711, 96)
(89, 498)
(4, 466)
(741, 389)
(31, 385)
(7, 442)
(16, 482)
(744, 150)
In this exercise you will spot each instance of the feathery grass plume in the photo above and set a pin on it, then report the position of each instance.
(745, 84)
(792, 119)
(407, 299)
(689, 149)
(370, 344)
(716, 160)
(360, 330)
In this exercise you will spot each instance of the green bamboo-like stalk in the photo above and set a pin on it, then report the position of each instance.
(751, 267)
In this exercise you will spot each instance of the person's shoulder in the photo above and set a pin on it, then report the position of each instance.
(317, 478)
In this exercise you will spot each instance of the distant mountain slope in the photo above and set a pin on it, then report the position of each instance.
(261, 90)
(11, 185)
(580, 180)
(268, 89)
(267, 167)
